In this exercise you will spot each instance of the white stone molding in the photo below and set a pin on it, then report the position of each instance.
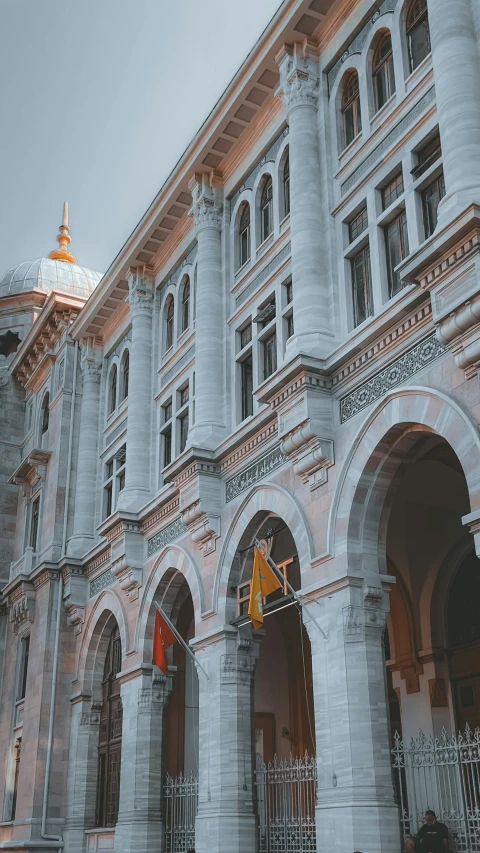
(31, 470)
(127, 543)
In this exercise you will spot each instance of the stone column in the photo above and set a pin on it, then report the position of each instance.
(84, 516)
(355, 804)
(299, 89)
(82, 772)
(209, 428)
(456, 64)
(139, 824)
(226, 816)
(140, 402)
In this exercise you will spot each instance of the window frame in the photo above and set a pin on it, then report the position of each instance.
(286, 184)
(244, 235)
(351, 101)
(185, 312)
(429, 225)
(383, 69)
(112, 389)
(395, 284)
(266, 209)
(34, 524)
(364, 254)
(113, 480)
(169, 322)
(125, 374)
(111, 725)
(411, 26)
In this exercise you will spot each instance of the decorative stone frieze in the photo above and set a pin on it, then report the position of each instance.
(259, 469)
(101, 582)
(21, 605)
(169, 534)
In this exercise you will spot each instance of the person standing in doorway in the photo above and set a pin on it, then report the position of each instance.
(431, 838)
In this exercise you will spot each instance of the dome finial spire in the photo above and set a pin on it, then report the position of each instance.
(62, 253)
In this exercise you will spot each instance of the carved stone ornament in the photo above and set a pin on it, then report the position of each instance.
(203, 527)
(90, 366)
(153, 698)
(310, 455)
(75, 592)
(22, 606)
(140, 292)
(129, 577)
(207, 205)
(91, 719)
(299, 82)
(32, 469)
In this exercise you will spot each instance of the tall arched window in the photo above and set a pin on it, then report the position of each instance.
(266, 210)
(418, 33)
(45, 415)
(110, 737)
(125, 374)
(244, 236)
(351, 116)
(383, 73)
(112, 391)
(169, 319)
(286, 186)
(186, 305)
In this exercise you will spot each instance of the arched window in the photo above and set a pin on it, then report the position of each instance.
(418, 33)
(286, 186)
(169, 316)
(383, 73)
(110, 737)
(186, 305)
(266, 210)
(45, 418)
(112, 391)
(351, 116)
(244, 236)
(125, 373)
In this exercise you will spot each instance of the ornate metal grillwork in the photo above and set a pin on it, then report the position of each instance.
(181, 799)
(286, 798)
(443, 774)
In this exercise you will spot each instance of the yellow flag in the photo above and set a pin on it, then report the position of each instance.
(264, 581)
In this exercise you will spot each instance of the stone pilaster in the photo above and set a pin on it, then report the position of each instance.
(82, 772)
(456, 64)
(138, 464)
(84, 514)
(226, 814)
(355, 804)
(299, 90)
(209, 428)
(139, 824)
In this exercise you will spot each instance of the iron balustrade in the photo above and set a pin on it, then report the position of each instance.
(286, 798)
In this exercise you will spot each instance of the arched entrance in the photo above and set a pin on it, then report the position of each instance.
(283, 715)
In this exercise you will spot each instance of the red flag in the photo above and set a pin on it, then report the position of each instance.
(163, 638)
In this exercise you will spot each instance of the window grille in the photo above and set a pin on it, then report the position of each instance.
(392, 190)
(358, 225)
(418, 33)
(431, 198)
(351, 115)
(396, 250)
(362, 286)
(269, 355)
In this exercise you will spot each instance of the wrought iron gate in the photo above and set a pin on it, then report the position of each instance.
(181, 799)
(286, 797)
(443, 774)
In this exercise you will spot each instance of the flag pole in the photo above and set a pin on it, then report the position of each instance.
(181, 640)
(284, 580)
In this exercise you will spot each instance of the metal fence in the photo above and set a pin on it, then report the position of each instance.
(181, 799)
(286, 798)
(443, 774)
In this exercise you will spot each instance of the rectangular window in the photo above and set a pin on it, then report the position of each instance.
(246, 372)
(183, 431)
(288, 292)
(167, 411)
(396, 249)
(358, 225)
(114, 481)
(16, 758)
(431, 198)
(35, 515)
(267, 313)
(290, 330)
(269, 356)
(108, 492)
(362, 286)
(245, 336)
(167, 446)
(392, 190)
(427, 156)
(22, 675)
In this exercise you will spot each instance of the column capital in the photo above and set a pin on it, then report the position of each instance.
(207, 206)
(90, 364)
(140, 291)
(299, 81)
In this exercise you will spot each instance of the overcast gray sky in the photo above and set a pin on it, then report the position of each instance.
(98, 100)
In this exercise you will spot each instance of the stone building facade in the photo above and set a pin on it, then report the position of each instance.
(285, 349)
